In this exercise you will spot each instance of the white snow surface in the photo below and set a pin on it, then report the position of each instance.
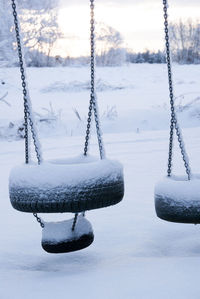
(140, 104)
(55, 232)
(65, 172)
(135, 255)
(180, 189)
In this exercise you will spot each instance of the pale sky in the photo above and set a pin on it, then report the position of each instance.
(139, 22)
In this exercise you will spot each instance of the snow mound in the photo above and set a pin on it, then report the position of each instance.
(77, 86)
(179, 188)
(55, 232)
(65, 172)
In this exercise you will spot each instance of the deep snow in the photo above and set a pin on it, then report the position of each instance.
(65, 173)
(138, 99)
(180, 189)
(61, 231)
(134, 254)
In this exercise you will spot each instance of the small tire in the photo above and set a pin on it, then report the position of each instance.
(58, 237)
(69, 246)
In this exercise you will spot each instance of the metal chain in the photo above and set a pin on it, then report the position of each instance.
(174, 122)
(23, 81)
(39, 220)
(27, 103)
(93, 98)
(27, 108)
(74, 221)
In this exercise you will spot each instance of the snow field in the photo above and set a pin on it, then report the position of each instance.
(134, 254)
(135, 98)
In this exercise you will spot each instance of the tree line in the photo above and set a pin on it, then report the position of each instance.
(185, 41)
(40, 32)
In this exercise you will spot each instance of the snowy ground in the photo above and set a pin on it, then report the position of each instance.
(131, 97)
(134, 255)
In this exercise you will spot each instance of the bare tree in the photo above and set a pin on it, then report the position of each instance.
(38, 4)
(109, 46)
(185, 41)
(7, 54)
(40, 30)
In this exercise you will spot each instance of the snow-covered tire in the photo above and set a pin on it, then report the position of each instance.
(58, 237)
(178, 200)
(73, 245)
(70, 185)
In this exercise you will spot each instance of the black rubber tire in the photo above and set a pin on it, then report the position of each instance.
(69, 246)
(174, 211)
(97, 193)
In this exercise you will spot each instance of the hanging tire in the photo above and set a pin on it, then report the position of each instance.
(178, 200)
(70, 185)
(58, 237)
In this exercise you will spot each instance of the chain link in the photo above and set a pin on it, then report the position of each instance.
(174, 122)
(93, 97)
(39, 220)
(23, 81)
(27, 104)
(74, 221)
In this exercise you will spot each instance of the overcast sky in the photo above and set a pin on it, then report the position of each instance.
(139, 21)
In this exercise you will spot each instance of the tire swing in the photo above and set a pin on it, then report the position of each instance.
(177, 199)
(71, 185)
